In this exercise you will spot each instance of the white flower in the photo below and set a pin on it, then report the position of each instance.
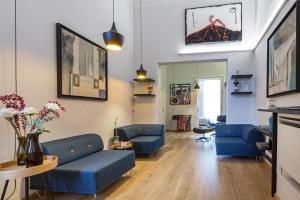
(29, 111)
(52, 106)
(8, 112)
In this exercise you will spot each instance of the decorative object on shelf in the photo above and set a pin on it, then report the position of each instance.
(150, 88)
(243, 84)
(271, 103)
(81, 66)
(221, 23)
(180, 94)
(28, 124)
(236, 84)
(283, 69)
(141, 72)
(112, 38)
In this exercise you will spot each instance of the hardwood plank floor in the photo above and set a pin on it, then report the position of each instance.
(187, 170)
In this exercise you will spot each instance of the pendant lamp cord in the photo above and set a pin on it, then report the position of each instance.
(16, 90)
(141, 25)
(113, 10)
(133, 59)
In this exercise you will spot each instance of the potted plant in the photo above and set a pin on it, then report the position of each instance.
(28, 124)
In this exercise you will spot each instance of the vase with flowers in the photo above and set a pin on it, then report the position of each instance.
(28, 124)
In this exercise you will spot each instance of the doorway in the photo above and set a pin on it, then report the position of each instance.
(212, 75)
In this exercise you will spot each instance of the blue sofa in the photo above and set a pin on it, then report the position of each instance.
(238, 140)
(146, 138)
(84, 167)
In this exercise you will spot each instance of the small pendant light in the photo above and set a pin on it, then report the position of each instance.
(197, 87)
(141, 72)
(113, 39)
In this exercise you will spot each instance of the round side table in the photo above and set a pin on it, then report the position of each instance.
(9, 171)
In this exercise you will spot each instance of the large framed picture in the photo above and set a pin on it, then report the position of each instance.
(283, 67)
(81, 66)
(180, 94)
(221, 23)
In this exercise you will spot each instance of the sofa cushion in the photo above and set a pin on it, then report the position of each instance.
(89, 174)
(146, 144)
(73, 148)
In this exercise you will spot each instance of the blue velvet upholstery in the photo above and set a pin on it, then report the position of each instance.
(146, 138)
(237, 140)
(88, 169)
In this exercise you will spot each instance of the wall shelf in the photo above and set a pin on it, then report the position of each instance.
(144, 95)
(146, 80)
(143, 87)
(241, 93)
(242, 76)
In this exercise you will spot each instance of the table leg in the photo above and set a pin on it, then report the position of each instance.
(4, 190)
(48, 186)
(26, 188)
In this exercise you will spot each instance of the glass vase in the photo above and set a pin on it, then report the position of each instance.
(34, 151)
(21, 151)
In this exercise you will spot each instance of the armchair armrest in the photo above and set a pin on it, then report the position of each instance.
(252, 135)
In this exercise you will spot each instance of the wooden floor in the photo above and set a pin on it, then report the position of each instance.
(187, 170)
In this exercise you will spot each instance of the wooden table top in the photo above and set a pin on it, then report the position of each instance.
(9, 170)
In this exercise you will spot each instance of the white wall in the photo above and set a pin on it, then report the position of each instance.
(261, 68)
(163, 27)
(186, 73)
(37, 64)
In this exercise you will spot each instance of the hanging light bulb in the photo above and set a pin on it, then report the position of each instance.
(113, 39)
(141, 72)
(197, 87)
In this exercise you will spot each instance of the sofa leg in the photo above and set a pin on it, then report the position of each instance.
(129, 172)
(95, 196)
(258, 158)
(220, 158)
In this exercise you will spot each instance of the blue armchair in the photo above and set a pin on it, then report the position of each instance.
(238, 140)
(146, 138)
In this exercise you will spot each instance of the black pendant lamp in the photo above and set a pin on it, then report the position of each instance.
(197, 87)
(113, 39)
(141, 72)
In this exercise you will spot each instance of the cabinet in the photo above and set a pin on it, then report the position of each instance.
(288, 160)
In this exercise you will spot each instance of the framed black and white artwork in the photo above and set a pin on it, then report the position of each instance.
(283, 66)
(81, 66)
(221, 23)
